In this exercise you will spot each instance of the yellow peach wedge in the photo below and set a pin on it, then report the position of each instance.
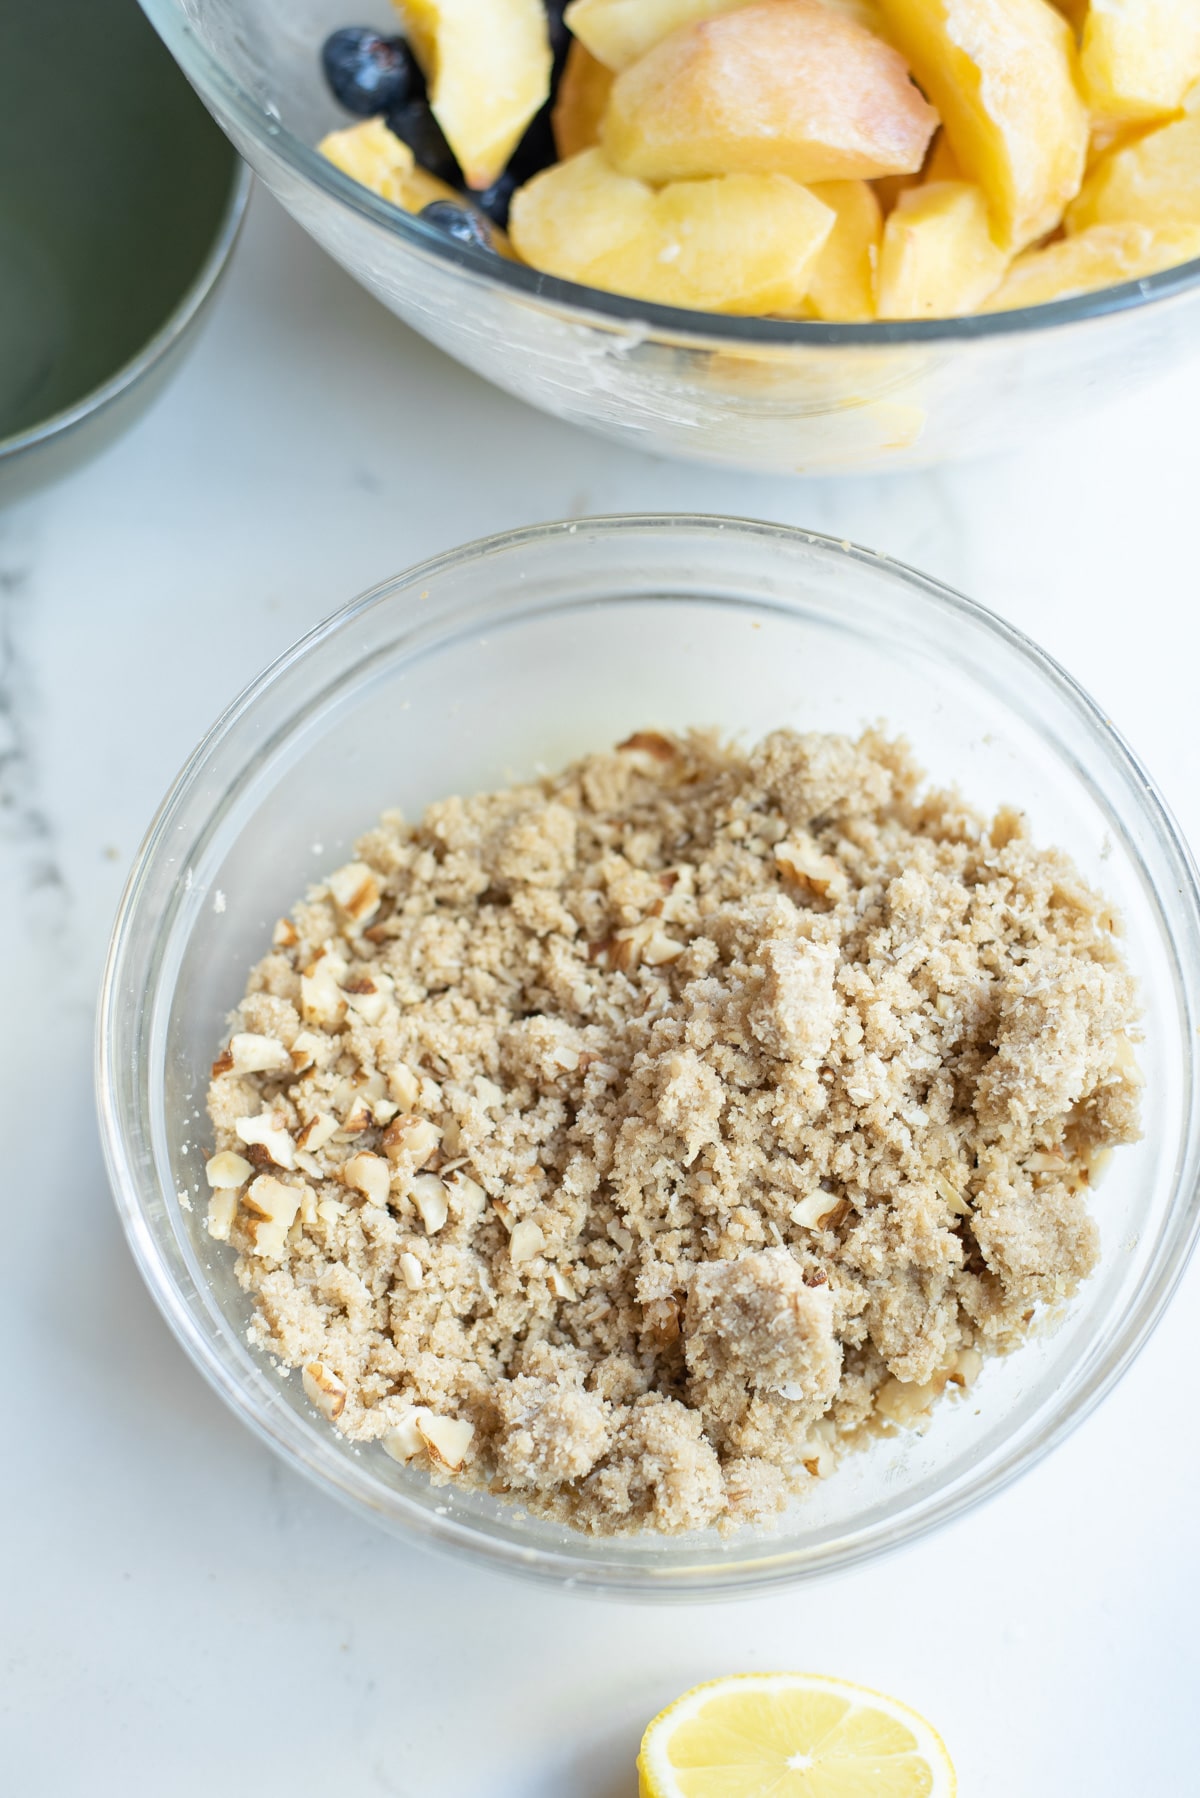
(1155, 181)
(889, 188)
(867, 13)
(779, 87)
(1075, 12)
(617, 32)
(488, 69)
(580, 102)
(941, 164)
(576, 213)
(938, 258)
(1139, 57)
(1112, 134)
(842, 283)
(371, 155)
(1003, 75)
(1102, 256)
(737, 243)
(376, 158)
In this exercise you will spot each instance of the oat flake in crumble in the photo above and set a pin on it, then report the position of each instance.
(631, 1142)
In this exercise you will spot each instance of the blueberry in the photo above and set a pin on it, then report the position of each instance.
(462, 223)
(369, 73)
(415, 123)
(496, 199)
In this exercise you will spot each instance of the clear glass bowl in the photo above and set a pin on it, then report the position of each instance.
(523, 651)
(792, 398)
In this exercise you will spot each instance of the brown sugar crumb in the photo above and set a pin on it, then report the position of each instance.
(634, 1142)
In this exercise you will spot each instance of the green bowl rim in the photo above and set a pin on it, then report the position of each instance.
(179, 320)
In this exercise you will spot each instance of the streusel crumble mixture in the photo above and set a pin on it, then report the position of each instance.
(630, 1142)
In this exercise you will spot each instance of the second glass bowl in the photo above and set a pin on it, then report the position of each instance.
(521, 652)
(802, 398)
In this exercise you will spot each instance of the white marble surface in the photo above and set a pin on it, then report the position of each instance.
(181, 1613)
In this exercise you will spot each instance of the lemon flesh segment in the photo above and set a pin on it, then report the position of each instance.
(791, 1736)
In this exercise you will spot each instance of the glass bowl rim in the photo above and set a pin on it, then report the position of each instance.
(707, 1577)
(607, 310)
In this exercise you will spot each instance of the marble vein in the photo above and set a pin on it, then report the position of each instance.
(31, 870)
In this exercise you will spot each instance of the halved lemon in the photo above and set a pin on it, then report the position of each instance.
(791, 1735)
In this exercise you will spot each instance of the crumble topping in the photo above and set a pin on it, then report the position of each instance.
(635, 1141)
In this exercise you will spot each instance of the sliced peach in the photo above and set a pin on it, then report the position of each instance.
(1111, 134)
(580, 102)
(766, 230)
(941, 164)
(617, 32)
(778, 87)
(867, 13)
(488, 69)
(1155, 181)
(567, 219)
(1003, 75)
(1074, 11)
(938, 258)
(1149, 175)
(371, 155)
(889, 188)
(1139, 57)
(1101, 256)
(842, 283)
(738, 243)
(375, 157)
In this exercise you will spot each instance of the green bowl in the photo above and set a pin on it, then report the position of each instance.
(120, 201)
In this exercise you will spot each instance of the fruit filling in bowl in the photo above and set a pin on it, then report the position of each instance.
(846, 160)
